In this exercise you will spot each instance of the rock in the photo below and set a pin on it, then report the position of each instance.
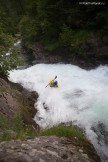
(30, 98)
(80, 150)
(14, 98)
(105, 40)
(9, 104)
(90, 53)
(42, 55)
(45, 149)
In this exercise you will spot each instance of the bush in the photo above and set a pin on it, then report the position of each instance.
(73, 38)
(14, 128)
(66, 35)
(9, 54)
(63, 131)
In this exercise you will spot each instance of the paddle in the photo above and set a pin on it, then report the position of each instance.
(53, 80)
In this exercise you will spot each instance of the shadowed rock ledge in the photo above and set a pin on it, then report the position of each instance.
(92, 53)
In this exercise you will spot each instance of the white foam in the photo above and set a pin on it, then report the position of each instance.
(82, 96)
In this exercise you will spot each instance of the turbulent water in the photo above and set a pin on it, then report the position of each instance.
(82, 97)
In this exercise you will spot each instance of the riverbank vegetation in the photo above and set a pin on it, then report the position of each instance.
(64, 22)
(55, 23)
(63, 131)
(9, 54)
(16, 128)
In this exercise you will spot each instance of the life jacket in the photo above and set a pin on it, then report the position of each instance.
(53, 83)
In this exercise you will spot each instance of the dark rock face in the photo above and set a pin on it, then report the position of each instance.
(96, 50)
(30, 98)
(90, 54)
(14, 98)
(9, 104)
(27, 54)
(42, 55)
(47, 149)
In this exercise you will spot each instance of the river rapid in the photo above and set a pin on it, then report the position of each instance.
(82, 98)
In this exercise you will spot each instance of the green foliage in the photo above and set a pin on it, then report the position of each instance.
(66, 35)
(10, 13)
(14, 128)
(62, 21)
(63, 131)
(3, 89)
(55, 23)
(6, 41)
(102, 20)
(71, 38)
(51, 46)
(9, 54)
(29, 30)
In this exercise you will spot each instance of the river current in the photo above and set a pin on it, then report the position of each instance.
(82, 98)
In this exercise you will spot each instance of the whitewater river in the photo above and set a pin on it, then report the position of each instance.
(82, 98)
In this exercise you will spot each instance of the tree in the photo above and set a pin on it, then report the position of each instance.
(9, 54)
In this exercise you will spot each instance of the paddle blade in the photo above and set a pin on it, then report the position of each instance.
(55, 77)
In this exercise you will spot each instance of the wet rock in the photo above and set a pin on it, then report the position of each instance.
(45, 149)
(101, 130)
